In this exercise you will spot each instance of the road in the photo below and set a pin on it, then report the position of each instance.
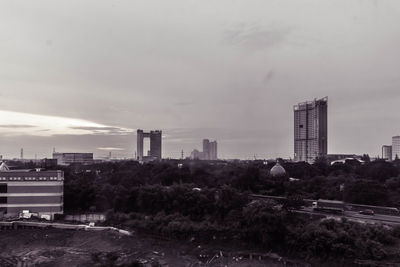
(350, 215)
(355, 216)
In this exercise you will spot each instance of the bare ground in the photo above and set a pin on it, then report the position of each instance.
(66, 248)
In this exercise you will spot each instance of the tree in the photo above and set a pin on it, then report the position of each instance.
(366, 192)
(366, 158)
(379, 170)
(293, 202)
(321, 163)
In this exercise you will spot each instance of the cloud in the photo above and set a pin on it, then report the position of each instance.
(16, 126)
(104, 130)
(255, 37)
(19, 123)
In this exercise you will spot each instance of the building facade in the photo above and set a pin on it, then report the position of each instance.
(195, 154)
(213, 150)
(155, 152)
(210, 151)
(206, 149)
(73, 158)
(395, 147)
(311, 130)
(40, 192)
(387, 153)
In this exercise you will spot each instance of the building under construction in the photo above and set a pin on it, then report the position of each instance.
(311, 130)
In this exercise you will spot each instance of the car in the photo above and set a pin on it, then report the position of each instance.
(367, 212)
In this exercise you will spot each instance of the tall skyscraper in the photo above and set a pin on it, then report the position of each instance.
(213, 150)
(395, 147)
(139, 144)
(311, 130)
(206, 149)
(387, 152)
(155, 144)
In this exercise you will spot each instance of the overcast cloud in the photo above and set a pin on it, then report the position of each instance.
(84, 75)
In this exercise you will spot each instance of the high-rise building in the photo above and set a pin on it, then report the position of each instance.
(210, 151)
(311, 130)
(387, 152)
(395, 147)
(155, 151)
(213, 150)
(206, 149)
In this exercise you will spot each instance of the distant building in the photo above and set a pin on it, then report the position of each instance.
(206, 149)
(395, 147)
(73, 158)
(210, 151)
(311, 130)
(155, 152)
(344, 160)
(387, 152)
(40, 192)
(336, 157)
(196, 154)
(213, 150)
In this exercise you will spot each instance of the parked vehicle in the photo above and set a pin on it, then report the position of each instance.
(367, 212)
(45, 217)
(25, 214)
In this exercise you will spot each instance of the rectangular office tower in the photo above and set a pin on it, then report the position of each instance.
(311, 130)
(395, 147)
(387, 153)
(210, 150)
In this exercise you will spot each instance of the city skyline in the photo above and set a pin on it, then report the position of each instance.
(84, 80)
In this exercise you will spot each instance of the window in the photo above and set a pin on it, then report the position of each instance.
(3, 188)
(3, 200)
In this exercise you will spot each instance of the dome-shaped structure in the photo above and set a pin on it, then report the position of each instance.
(277, 170)
(4, 167)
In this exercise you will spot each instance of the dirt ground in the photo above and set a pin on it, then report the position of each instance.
(66, 248)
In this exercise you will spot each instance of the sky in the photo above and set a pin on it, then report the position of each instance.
(83, 76)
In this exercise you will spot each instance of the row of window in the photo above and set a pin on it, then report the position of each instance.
(28, 178)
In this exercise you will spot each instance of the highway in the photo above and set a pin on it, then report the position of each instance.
(357, 217)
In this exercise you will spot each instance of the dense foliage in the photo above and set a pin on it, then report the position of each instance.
(117, 185)
(210, 201)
